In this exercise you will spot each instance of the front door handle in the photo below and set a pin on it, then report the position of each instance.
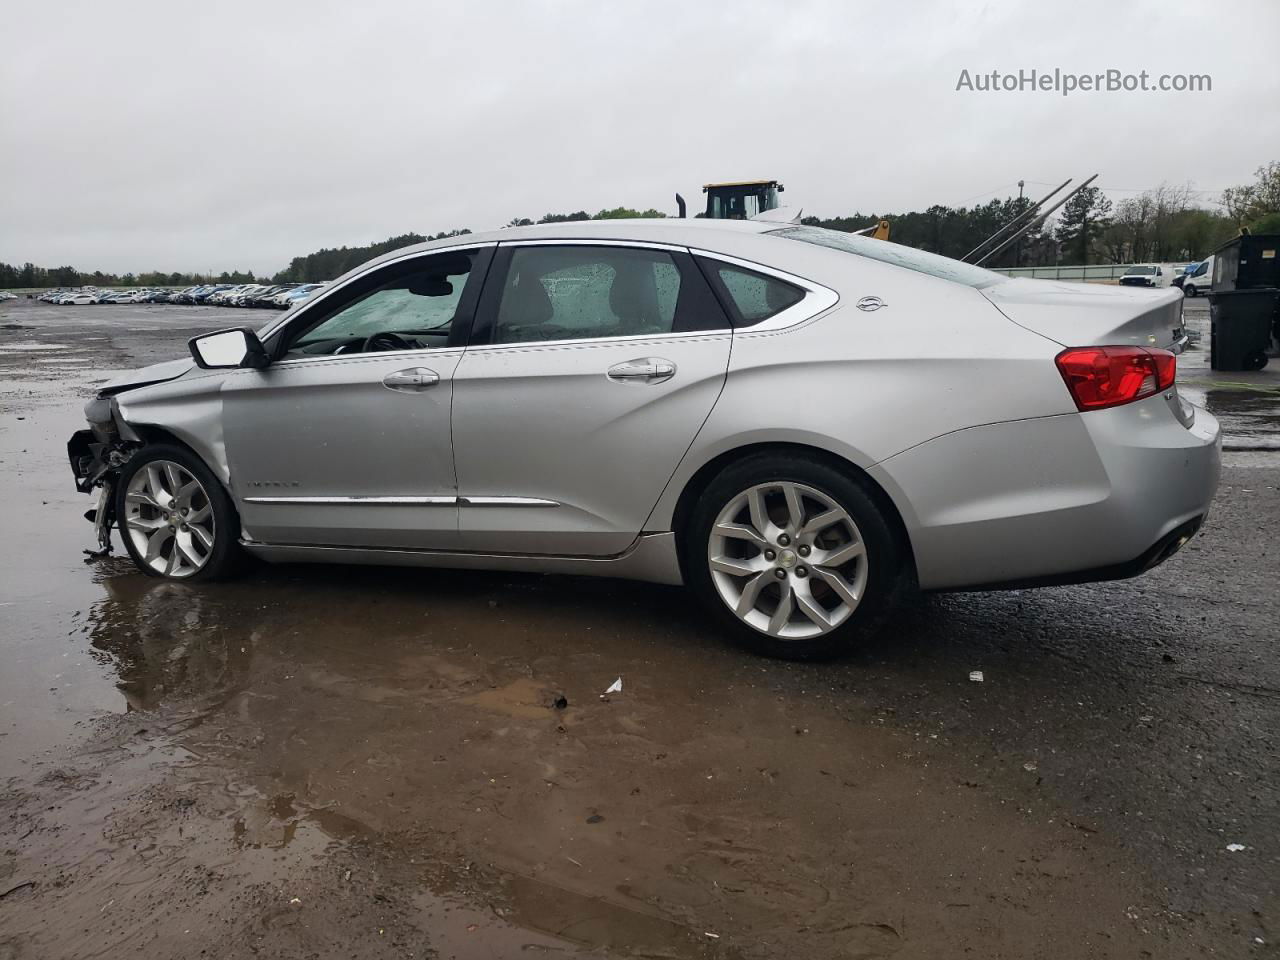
(411, 380)
(642, 370)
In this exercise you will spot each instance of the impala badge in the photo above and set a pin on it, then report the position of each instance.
(870, 304)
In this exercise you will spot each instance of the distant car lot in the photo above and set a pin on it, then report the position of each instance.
(279, 296)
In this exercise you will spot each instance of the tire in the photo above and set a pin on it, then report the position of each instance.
(1188, 291)
(201, 541)
(833, 605)
(1256, 360)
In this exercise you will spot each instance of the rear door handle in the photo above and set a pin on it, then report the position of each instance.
(642, 370)
(412, 380)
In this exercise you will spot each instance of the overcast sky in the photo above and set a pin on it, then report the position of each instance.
(235, 135)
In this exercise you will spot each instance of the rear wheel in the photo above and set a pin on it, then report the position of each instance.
(175, 519)
(793, 557)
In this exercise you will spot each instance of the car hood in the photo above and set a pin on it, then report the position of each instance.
(1082, 314)
(145, 376)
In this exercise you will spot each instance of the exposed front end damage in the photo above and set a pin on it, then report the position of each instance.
(171, 402)
(96, 456)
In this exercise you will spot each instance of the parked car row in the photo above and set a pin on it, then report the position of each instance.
(86, 295)
(280, 296)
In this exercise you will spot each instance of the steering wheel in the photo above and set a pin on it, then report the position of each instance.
(385, 341)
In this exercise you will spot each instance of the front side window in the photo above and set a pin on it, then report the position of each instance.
(403, 307)
(574, 293)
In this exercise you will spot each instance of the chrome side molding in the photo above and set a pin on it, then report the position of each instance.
(406, 501)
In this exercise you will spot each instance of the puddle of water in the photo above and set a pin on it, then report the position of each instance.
(1250, 417)
(523, 698)
(31, 346)
(598, 924)
(280, 820)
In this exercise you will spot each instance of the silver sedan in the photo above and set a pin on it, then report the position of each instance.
(799, 424)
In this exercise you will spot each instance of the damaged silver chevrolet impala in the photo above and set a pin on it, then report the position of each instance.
(799, 424)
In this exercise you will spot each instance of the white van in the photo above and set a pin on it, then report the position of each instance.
(1199, 279)
(1148, 275)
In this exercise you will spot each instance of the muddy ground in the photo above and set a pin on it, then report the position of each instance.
(339, 762)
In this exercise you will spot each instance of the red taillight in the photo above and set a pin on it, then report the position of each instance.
(1109, 376)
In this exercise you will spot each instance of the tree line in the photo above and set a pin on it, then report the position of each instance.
(328, 263)
(1164, 224)
(29, 275)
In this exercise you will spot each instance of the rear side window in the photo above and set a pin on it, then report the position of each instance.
(584, 292)
(753, 296)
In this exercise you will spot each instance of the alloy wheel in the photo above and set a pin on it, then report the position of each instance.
(169, 519)
(787, 560)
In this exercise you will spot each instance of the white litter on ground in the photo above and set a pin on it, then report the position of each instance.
(1235, 847)
(615, 687)
(976, 676)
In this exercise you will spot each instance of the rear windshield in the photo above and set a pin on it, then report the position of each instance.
(895, 253)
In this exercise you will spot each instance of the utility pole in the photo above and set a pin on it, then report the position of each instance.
(1017, 247)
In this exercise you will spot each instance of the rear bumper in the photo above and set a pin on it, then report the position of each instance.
(1152, 557)
(1067, 499)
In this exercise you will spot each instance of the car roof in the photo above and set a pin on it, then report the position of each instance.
(622, 229)
(696, 231)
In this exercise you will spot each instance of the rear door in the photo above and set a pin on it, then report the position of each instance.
(592, 367)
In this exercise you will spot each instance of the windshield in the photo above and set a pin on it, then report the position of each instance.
(944, 268)
(1141, 271)
(741, 203)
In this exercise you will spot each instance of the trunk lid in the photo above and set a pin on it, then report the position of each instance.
(1087, 314)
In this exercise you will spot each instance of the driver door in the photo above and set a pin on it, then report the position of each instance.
(344, 440)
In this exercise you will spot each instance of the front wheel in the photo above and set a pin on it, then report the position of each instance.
(175, 519)
(1189, 291)
(793, 557)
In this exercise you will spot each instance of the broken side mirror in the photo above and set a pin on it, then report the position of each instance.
(229, 349)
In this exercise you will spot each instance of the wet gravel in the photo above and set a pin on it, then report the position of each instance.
(366, 763)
